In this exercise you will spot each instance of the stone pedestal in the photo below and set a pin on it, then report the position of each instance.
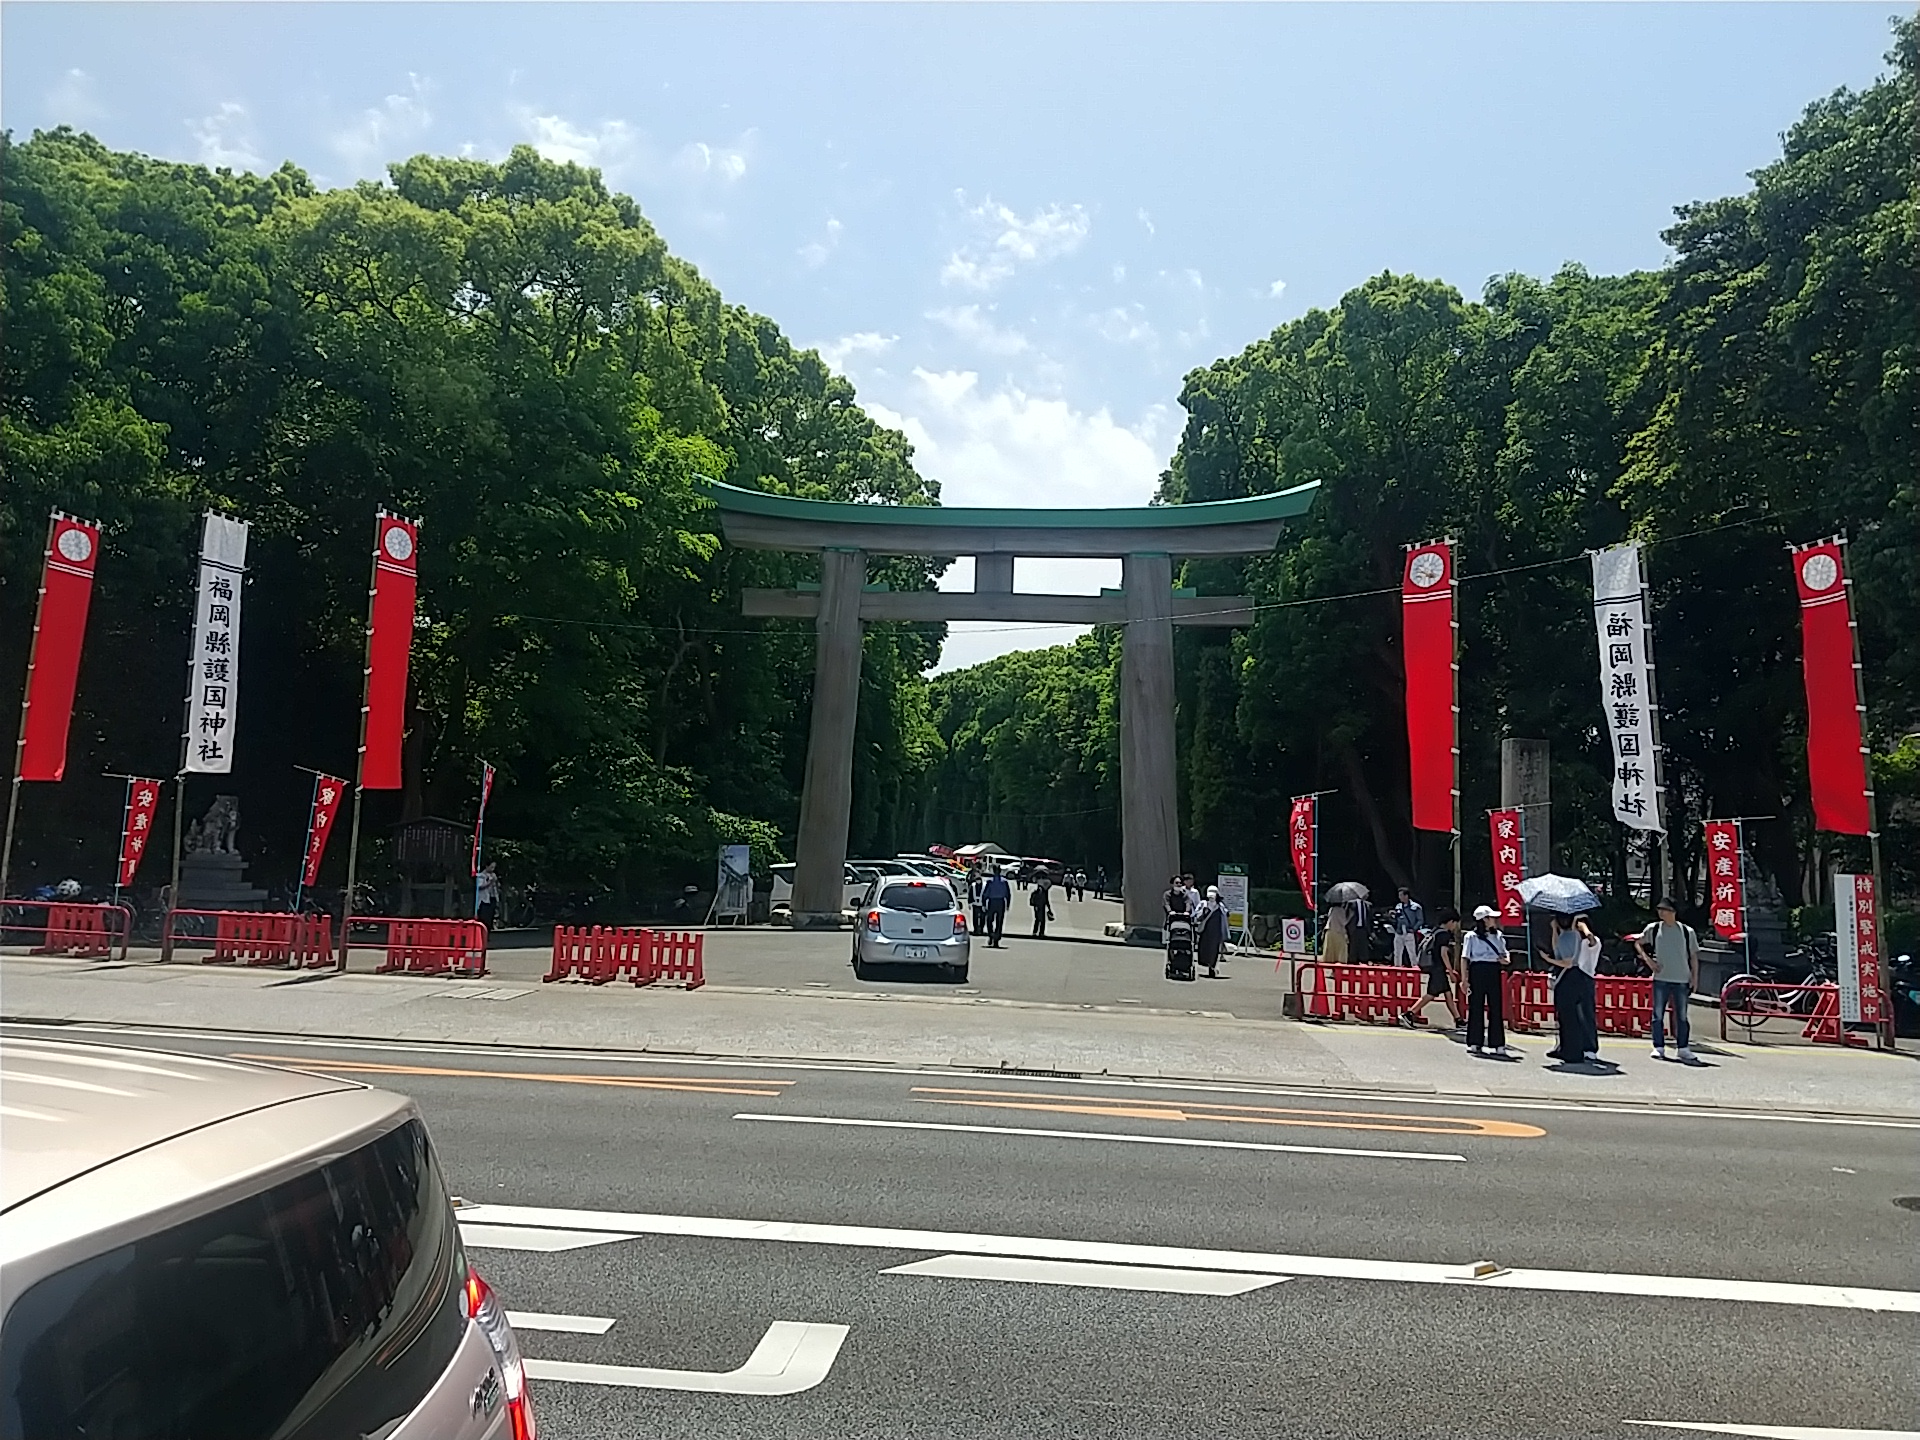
(212, 880)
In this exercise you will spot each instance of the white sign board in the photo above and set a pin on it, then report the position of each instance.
(733, 893)
(1233, 895)
(1293, 936)
(213, 665)
(1856, 929)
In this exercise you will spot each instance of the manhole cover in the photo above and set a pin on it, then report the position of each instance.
(1907, 1202)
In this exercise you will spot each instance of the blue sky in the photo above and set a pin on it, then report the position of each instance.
(1015, 228)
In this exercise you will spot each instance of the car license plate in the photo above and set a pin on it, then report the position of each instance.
(916, 952)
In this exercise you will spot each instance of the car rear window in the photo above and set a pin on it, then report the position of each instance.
(927, 899)
(326, 1306)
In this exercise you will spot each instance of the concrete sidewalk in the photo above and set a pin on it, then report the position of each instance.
(929, 1027)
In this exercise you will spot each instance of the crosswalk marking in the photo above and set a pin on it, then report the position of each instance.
(563, 1324)
(1100, 1277)
(532, 1237)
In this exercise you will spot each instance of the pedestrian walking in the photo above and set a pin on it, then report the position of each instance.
(1485, 952)
(1359, 931)
(1440, 960)
(1193, 895)
(1042, 902)
(1409, 920)
(995, 896)
(1333, 936)
(1675, 963)
(977, 882)
(1080, 882)
(1100, 882)
(486, 895)
(1575, 957)
(1210, 931)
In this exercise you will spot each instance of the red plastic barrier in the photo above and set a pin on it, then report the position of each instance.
(312, 947)
(575, 955)
(251, 936)
(1357, 992)
(1623, 1005)
(677, 955)
(1754, 1002)
(431, 947)
(1529, 999)
(81, 930)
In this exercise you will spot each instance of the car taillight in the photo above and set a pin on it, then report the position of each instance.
(484, 1307)
(959, 924)
(873, 919)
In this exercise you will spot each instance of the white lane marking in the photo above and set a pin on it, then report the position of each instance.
(875, 1237)
(1018, 1131)
(532, 1237)
(790, 1357)
(1099, 1277)
(1652, 1109)
(1784, 1432)
(565, 1324)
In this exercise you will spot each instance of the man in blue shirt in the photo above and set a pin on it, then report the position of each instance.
(1408, 921)
(994, 898)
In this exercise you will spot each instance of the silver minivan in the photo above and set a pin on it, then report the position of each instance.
(199, 1247)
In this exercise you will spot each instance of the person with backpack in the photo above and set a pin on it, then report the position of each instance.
(1675, 963)
(1440, 959)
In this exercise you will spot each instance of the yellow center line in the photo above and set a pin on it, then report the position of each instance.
(691, 1084)
(1205, 1110)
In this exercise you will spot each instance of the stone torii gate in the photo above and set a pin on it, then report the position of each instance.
(1144, 540)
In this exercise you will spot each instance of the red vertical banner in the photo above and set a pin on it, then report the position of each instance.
(1509, 835)
(137, 829)
(1426, 617)
(327, 793)
(1836, 748)
(1302, 828)
(389, 649)
(1726, 891)
(53, 664)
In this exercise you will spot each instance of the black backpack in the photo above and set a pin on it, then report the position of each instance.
(1430, 947)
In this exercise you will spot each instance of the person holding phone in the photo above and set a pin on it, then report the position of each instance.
(1485, 951)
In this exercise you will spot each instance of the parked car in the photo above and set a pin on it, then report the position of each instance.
(912, 921)
(196, 1247)
(855, 880)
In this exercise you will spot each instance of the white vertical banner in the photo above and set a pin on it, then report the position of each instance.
(1856, 929)
(1626, 685)
(213, 665)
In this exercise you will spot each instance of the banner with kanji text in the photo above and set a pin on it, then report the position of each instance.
(53, 664)
(213, 665)
(1509, 834)
(1857, 928)
(328, 790)
(1304, 843)
(137, 828)
(389, 650)
(1726, 885)
(1626, 685)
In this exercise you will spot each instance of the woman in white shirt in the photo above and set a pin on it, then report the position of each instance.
(1485, 952)
(1575, 955)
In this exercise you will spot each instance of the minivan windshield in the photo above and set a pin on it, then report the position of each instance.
(927, 899)
(325, 1306)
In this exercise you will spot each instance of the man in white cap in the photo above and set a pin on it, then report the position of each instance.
(1485, 952)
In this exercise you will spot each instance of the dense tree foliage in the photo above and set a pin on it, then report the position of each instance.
(506, 351)
(1762, 388)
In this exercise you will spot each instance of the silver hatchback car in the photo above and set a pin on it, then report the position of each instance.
(197, 1247)
(911, 920)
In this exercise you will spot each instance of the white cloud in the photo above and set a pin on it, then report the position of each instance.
(1124, 325)
(972, 324)
(382, 131)
(75, 100)
(1145, 219)
(815, 253)
(1009, 448)
(865, 342)
(1276, 289)
(608, 146)
(723, 163)
(1119, 274)
(223, 139)
(1005, 240)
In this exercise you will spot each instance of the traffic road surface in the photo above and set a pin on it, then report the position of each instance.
(701, 1250)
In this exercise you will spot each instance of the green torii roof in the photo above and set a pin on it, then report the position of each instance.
(1246, 526)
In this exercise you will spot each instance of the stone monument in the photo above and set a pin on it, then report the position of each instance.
(213, 873)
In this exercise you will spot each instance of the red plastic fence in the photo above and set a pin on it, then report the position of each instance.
(431, 947)
(1356, 992)
(601, 953)
(256, 937)
(1754, 1002)
(84, 931)
(1622, 1005)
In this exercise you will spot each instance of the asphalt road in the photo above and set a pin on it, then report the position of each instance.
(644, 1169)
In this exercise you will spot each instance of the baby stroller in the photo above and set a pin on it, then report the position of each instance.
(1179, 948)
